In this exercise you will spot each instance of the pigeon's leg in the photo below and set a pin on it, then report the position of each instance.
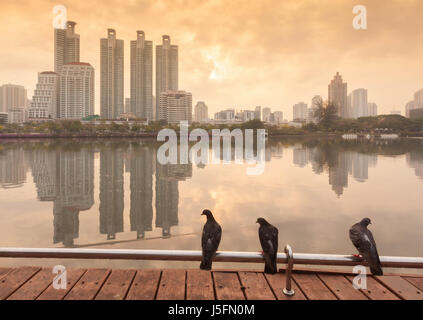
(357, 256)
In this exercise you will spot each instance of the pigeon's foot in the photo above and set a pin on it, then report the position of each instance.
(357, 256)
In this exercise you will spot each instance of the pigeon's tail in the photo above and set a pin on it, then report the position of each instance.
(270, 266)
(206, 262)
(376, 270)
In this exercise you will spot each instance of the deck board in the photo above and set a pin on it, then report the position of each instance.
(375, 290)
(35, 286)
(33, 283)
(73, 276)
(199, 285)
(313, 287)
(89, 285)
(278, 282)
(227, 286)
(117, 285)
(401, 287)
(341, 287)
(15, 279)
(145, 285)
(172, 285)
(256, 286)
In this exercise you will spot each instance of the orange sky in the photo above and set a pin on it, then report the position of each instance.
(237, 53)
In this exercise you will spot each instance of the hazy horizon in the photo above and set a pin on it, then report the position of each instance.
(234, 54)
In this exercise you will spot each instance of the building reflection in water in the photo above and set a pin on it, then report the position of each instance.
(63, 173)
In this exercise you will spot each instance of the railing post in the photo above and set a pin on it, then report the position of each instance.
(290, 260)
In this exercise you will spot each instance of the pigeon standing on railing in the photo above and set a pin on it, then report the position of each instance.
(362, 238)
(268, 236)
(212, 233)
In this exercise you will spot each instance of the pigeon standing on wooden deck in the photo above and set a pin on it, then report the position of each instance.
(362, 238)
(268, 236)
(212, 233)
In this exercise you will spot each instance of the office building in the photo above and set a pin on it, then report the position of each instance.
(337, 94)
(66, 46)
(45, 101)
(175, 106)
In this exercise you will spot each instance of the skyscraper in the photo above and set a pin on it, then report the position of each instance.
(66, 46)
(266, 114)
(175, 106)
(12, 96)
(372, 107)
(337, 94)
(359, 103)
(45, 101)
(76, 90)
(201, 112)
(300, 111)
(166, 69)
(111, 76)
(142, 77)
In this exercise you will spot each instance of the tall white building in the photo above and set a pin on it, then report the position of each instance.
(201, 112)
(66, 46)
(266, 114)
(278, 117)
(175, 106)
(45, 101)
(359, 103)
(300, 111)
(166, 69)
(142, 77)
(76, 90)
(111, 76)
(12, 96)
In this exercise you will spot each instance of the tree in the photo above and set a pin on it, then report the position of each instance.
(326, 115)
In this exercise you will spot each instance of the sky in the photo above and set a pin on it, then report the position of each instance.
(237, 53)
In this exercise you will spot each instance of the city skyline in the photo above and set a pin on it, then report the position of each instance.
(217, 69)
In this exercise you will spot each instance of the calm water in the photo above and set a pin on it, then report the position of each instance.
(94, 194)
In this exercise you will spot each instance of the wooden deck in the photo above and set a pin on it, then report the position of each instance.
(34, 283)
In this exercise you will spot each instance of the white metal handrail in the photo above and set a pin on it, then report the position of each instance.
(186, 255)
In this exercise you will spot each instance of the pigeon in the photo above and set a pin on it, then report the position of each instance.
(362, 238)
(268, 236)
(212, 233)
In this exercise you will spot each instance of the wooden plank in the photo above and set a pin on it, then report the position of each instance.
(117, 285)
(35, 286)
(341, 287)
(312, 287)
(89, 285)
(277, 282)
(145, 285)
(73, 276)
(15, 279)
(227, 286)
(172, 285)
(256, 286)
(375, 290)
(199, 285)
(415, 281)
(404, 289)
(4, 271)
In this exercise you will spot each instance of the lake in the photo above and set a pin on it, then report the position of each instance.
(114, 194)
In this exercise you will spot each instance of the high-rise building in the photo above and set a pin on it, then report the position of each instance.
(175, 106)
(266, 114)
(45, 102)
(359, 103)
(278, 117)
(166, 69)
(408, 107)
(111, 76)
(12, 96)
(418, 99)
(300, 112)
(337, 94)
(66, 46)
(372, 107)
(227, 114)
(201, 112)
(142, 77)
(76, 90)
(257, 113)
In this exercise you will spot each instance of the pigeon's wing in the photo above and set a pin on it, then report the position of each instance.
(359, 239)
(372, 257)
(268, 236)
(212, 234)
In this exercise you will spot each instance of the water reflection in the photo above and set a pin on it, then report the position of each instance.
(63, 173)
